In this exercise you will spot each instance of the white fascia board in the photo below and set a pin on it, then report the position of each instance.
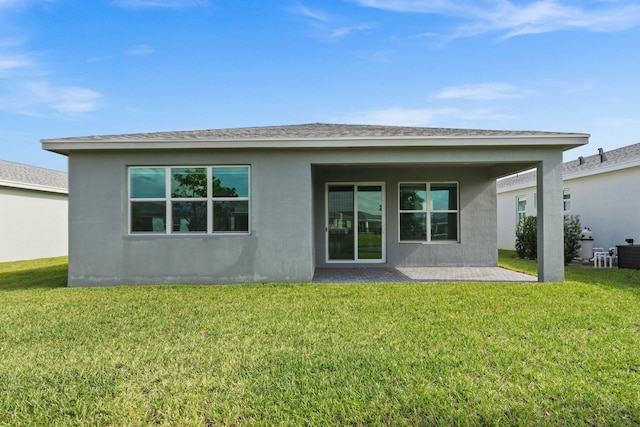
(519, 186)
(66, 145)
(603, 169)
(36, 187)
(575, 175)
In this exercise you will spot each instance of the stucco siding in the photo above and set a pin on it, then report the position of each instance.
(34, 224)
(287, 237)
(103, 252)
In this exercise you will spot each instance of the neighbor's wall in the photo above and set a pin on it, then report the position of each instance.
(477, 215)
(33, 224)
(508, 214)
(608, 203)
(102, 252)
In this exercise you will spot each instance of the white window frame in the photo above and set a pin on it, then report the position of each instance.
(428, 211)
(520, 218)
(168, 200)
(355, 223)
(566, 192)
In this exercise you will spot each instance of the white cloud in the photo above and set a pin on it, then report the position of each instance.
(23, 88)
(345, 31)
(483, 92)
(13, 63)
(330, 28)
(514, 19)
(306, 12)
(140, 50)
(44, 99)
(71, 100)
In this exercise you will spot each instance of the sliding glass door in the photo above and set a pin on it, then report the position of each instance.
(355, 223)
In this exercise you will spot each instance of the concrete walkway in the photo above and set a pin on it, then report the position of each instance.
(419, 274)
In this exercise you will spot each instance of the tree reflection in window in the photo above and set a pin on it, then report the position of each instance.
(189, 183)
(197, 199)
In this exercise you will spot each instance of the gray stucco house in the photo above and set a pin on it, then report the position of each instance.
(275, 203)
(33, 212)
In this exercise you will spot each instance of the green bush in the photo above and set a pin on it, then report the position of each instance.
(572, 231)
(527, 238)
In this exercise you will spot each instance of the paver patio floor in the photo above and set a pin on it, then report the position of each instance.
(419, 274)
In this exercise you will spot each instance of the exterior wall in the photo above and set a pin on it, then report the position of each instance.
(608, 204)
(34, 224)
(605, 203)
(477, 215)
(103, 253)
(508, 215)
(286, 242)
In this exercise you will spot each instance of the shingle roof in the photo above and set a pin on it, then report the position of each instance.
(25, 176)
(310, 131)
(591, 165)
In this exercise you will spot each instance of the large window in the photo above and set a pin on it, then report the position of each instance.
(179, 200)
(428, 211)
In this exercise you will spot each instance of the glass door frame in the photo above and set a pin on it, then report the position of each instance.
(355, 259)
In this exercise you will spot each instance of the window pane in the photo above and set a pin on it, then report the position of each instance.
(413, 197)
(148, 217)
(231, 181)
(444, 226)
(369, 221)
(231, 216)
(188, 182)
(189, 216)
(413, 226)
(522, 205)
(444, 197)
(341, 227)
(147, 183)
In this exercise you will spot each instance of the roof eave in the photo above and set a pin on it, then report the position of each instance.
(35, 187)
(566, 141)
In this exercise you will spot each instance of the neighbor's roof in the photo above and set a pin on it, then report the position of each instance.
(620, 158)
(307, 135)
(18, 175)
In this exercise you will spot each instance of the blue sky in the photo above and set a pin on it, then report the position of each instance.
(96, 67)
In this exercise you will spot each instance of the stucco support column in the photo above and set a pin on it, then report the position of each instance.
(550, 219)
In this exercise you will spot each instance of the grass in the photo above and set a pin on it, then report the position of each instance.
(307, 354)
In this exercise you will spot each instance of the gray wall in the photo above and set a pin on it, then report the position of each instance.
(287, 212)
(102, 253)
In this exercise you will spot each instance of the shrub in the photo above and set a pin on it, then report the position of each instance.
(527, 238)
(572, 231)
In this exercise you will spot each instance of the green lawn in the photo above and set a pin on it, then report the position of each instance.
(306, 354)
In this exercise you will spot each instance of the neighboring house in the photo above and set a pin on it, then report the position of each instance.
(275, 203)
(603, 189)
(33, 212)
